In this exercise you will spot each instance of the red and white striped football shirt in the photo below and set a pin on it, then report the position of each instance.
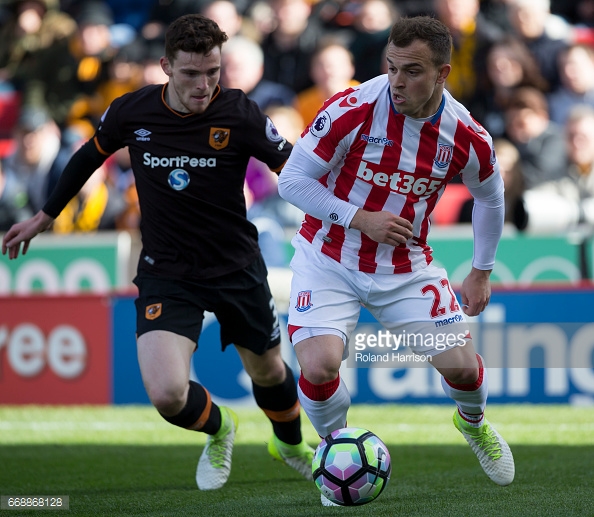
(379, 159)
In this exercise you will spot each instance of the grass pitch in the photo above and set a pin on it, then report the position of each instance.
(127, 461)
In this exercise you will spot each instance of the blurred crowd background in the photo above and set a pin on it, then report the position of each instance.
(524, 68)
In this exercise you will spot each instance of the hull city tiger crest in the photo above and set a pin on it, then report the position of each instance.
(303, 301)
(152, 312)
(219, 137)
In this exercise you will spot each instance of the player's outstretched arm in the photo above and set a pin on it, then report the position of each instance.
(77, 171)
(487, 223)
(23, 232)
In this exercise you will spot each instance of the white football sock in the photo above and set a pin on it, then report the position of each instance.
(327, 414)
(471, 399)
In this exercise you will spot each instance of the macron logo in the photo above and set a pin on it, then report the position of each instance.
(377, 140)
(142, 135)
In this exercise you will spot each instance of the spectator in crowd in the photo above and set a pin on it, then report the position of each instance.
(37, 145)
(539, 141)
(10, 104)
(271, 214)
(227, 16)
(33, 26)
(510, 65)
(289, 47)
(97, 206)
(332, 70)
(567, 201)
(584, 10)
(576, 66)
(120, 177)
(371, 26)
(262, 182)
(14, 205)
(472, 36)
(242, 67)
(261, 16)
(150, 61)
(66, 75)
(534, 24)
(510, 168)
(124, 74)
(496, 12)
(143, 55)
(29, 27)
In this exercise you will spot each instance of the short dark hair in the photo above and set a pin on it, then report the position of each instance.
(425, 28)
(193, 33)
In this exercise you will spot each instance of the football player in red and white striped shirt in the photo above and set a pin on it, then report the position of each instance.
(368, 171)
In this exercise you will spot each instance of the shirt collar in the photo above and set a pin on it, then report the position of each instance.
(433, 118)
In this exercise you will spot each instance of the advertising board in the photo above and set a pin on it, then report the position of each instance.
(55, 350)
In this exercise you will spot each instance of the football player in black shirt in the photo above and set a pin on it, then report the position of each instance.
(190, 141)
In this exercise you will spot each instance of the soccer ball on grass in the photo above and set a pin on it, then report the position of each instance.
(351, 466)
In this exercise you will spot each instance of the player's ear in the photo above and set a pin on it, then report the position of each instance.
(443, 72)
(166, 66)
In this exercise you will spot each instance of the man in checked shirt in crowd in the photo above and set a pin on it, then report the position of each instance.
(368, 171)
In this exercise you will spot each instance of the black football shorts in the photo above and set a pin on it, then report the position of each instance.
(242, 303)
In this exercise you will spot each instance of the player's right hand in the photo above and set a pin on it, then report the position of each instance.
(384, 227)
(23, 232)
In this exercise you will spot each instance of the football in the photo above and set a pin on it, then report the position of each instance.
(351, 466)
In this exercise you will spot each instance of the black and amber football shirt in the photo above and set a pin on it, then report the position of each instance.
(190, 171)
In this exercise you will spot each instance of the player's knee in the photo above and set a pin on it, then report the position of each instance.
(168, 400)
(319, 370)
(268, 378)
(268, 369)
(319, 373)
(269, 374)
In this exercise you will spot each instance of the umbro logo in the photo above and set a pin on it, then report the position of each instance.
(142, 135)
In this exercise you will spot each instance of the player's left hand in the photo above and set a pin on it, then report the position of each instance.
(476, 292)
(383, 226)
(23, 232)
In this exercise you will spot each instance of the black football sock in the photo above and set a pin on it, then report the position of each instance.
(199, 413)
(281, 406)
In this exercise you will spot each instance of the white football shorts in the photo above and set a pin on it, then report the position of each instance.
(326, 295)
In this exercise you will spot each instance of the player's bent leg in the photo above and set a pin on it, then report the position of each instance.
(164, 359)
(267, 369)
(470, 394)
(275, 392)
(323, 394)
(458, 364)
